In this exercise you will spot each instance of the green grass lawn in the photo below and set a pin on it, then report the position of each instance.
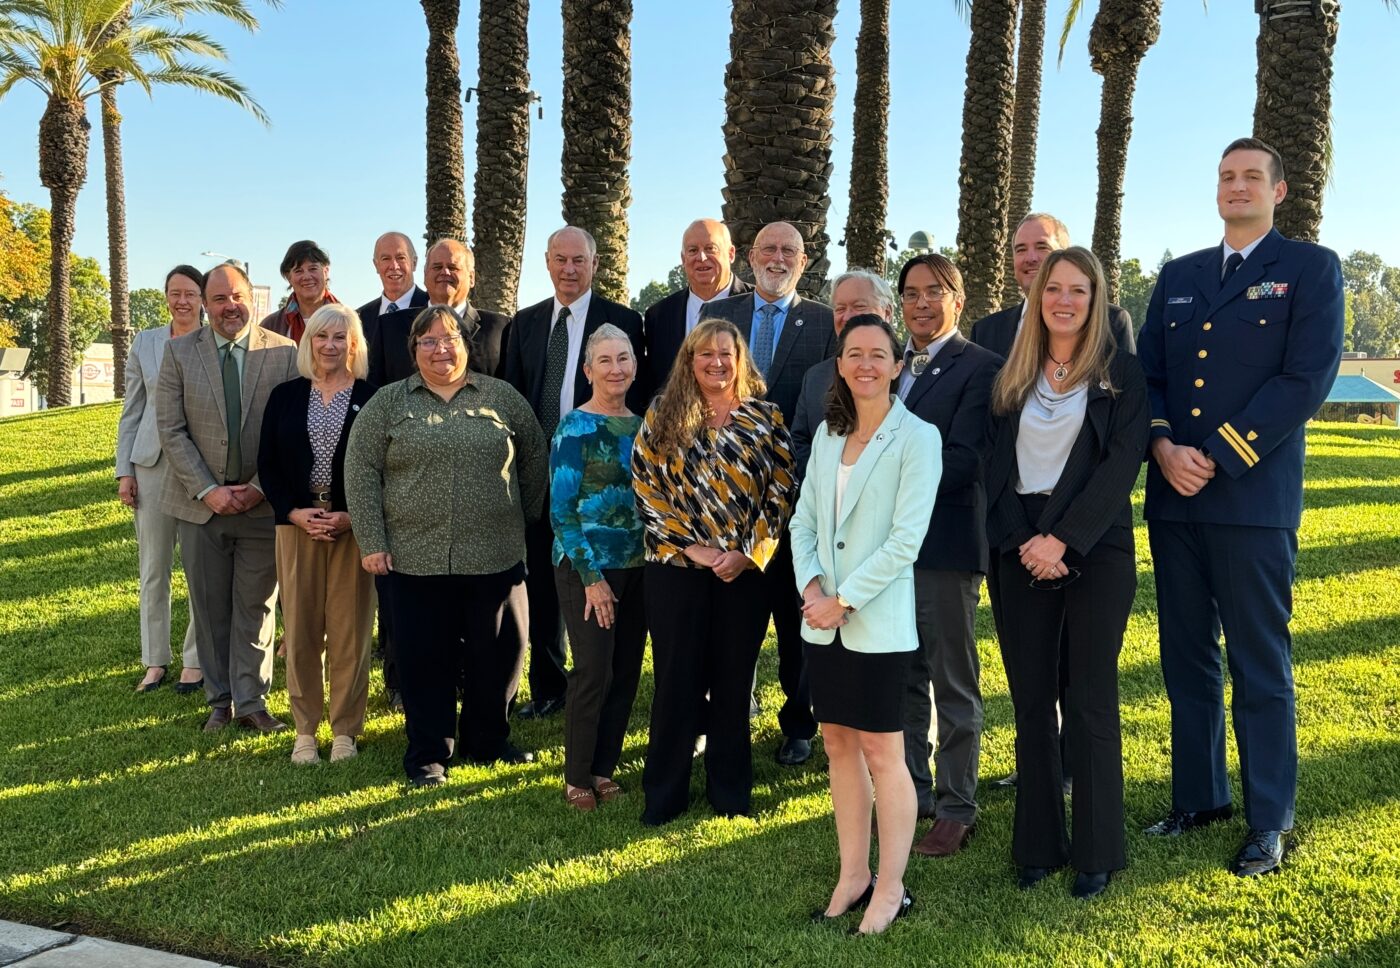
(118, 816)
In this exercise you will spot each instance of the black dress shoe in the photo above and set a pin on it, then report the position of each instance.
(540, 708)
(1178, 822)
(152, 686)
(1261, 853)
(185, 688)
(512, 755)
(1007, 782)
(794, 751)
(819, 916)
(1089, 884)
(906, 903)
(1029, 877)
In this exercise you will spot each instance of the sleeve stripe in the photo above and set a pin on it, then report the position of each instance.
(1234, 440)
(1159, 422)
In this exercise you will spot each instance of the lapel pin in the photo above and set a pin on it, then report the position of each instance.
(797, 322)
(355, 407)
(1103, 385)
(937, 370)
(879, 436)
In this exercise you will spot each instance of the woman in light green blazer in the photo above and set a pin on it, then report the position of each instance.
(866, 501)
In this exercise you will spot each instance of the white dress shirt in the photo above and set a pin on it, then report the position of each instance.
(403, 302)
(1244, 253)
(694, 305)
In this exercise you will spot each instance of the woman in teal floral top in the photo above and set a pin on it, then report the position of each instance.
(598, 558)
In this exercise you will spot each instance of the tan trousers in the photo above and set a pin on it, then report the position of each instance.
(155, 549)
(328, 606)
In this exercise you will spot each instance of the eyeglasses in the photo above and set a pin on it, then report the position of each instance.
(1051, 584)
(932, 294)
(431, 343)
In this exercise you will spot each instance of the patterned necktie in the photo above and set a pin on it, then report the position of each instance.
(393, 308)
(233, 409)
(1232, 262)
(763, 339)
(556, 361)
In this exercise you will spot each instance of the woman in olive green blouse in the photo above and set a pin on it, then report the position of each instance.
(442, 472)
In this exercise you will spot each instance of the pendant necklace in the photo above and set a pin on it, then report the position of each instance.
(1061, 369)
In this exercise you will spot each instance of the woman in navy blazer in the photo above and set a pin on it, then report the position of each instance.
(1070, 421)
(327, 598)
(863, 513)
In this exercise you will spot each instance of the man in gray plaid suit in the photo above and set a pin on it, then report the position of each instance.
(214, 384)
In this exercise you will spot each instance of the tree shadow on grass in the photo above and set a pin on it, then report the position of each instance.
(48, 473)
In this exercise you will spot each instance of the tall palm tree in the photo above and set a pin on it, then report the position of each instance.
(1025, 127)
(1293, 104)
(446, 176)
(502, 151)
(865, 220)
(780, 86)
(598, 131)
(66, 48)
(1122, 33)
(985, 170)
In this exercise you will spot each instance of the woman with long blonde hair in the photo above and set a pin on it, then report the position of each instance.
(713, 473)
(1070, 424)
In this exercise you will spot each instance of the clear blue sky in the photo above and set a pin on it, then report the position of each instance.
(343, 160)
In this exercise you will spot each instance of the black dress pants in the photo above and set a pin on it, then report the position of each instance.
(705, 635)
(390, 667)
(607, 667)
(451, 630)
(795, 719)
(1094, 607)
(547, 655)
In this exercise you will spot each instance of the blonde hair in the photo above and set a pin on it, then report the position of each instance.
(680, 411)
(328, 315)
(1092, 352)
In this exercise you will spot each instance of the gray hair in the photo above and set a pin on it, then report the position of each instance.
(408, 244)
(601, 335)
(588, 239)
(443, 240)
(883, 294)
(1058, 229)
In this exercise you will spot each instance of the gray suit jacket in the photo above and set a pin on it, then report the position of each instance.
(138, 441)
(193, 427)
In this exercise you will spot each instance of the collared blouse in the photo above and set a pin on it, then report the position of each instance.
(324, 422)
(590, 494)
(731, 489)
(446, 486)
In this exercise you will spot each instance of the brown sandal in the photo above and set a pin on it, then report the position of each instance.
(607, 790)
(581, 799)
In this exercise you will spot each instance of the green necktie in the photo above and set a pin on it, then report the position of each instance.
(556, 362)
(233, 407)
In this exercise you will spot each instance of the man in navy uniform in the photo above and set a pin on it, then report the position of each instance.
(1240, 347)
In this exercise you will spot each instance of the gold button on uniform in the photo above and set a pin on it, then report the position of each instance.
(1263, 322)
(1206, 327)
(1195, 411)
(1200, 382)
(1202, 354)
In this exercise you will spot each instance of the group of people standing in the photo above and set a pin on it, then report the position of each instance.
(744, 456)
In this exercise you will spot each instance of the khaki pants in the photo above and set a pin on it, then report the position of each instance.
(155, 547)
(327, 610)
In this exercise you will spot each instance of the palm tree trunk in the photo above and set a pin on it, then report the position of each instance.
(1119, 39)
(446, 181)
(985, 171)
(1293, 106)
(502, 152)
(1025, 128)
(116, 236)
(865, 220)
(63, 149)
(780, 86)
(598, 131)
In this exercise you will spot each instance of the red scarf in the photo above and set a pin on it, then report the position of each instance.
(291, 316)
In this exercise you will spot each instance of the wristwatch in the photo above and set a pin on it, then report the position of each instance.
(840, 600)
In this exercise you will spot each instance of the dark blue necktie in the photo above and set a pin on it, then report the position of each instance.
(1232, 262)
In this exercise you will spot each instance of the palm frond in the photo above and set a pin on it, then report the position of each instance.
(963, 8)
(165, 46)
(1072, 12)
(154, 11)
(210, 81)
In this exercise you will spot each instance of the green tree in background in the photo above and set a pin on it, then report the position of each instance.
(655, 291)
(1372, 291)
(148, 310)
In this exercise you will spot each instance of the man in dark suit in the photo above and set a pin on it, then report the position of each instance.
(707, 257)
(1036, 237)
(1240, 348)
(787, 335)
(395, 260)
(545, 363)
(947, 381)
(450, 275)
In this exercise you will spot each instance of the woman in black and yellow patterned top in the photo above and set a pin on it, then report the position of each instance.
(713, 472)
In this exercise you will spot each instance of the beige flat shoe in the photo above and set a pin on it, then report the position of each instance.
(343, 748)
(304, 751)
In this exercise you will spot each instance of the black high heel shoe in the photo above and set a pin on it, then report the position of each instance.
(153, 686)
(906, 903)
(819, 916)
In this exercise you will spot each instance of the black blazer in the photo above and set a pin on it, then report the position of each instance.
(807, 338)
(953, 394)
(1093, 493)
(284, 452)
(998, 331)
(529, 343)
(390, 358)
(663, 327)
(369, 312)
